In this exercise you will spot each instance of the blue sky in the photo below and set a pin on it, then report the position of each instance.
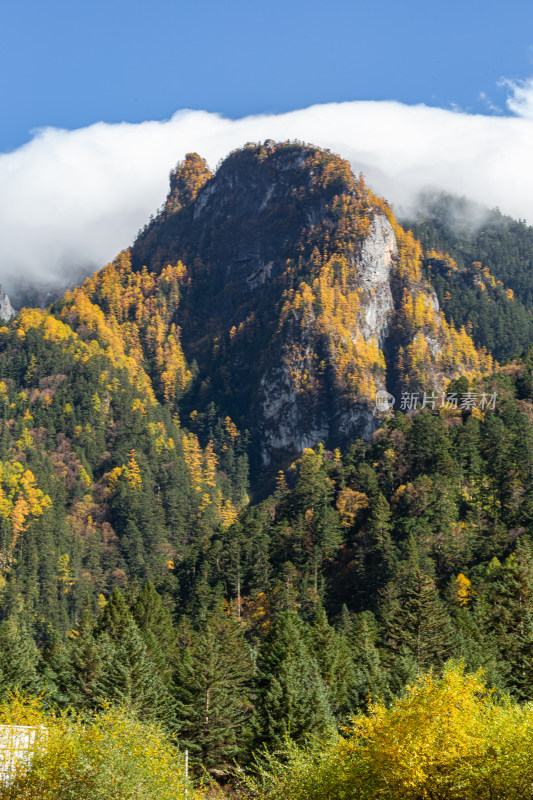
(69, 64)
(417, 95)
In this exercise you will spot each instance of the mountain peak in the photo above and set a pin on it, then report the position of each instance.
(186, 180)
(303, 297)
(262, 200)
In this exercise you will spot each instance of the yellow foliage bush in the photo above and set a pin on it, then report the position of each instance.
(105, 756)
(447, 738)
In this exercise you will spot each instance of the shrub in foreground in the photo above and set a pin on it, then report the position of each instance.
(447, 738)
(104, 756)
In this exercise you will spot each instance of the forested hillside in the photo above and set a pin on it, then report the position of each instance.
(480, 264)
(302, 297)
(360, 571)
(100, 484)
(204, 516)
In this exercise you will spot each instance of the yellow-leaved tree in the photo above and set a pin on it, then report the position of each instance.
(446, 738)
(109, 754)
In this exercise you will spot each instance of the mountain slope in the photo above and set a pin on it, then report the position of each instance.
(98, 483)
(126, 403)
(123, 458)
(303, 296)
(481, 265)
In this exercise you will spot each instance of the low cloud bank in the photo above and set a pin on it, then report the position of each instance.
(70, 200)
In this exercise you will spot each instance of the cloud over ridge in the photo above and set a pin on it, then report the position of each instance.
(71, 200)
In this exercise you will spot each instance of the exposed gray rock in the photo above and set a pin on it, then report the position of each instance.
(294, 420)
(286, 423)
(373, 271)
(7, 311)
(261, 274)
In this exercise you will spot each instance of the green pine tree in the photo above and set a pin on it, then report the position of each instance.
(512, 619)
(19, 659)
(115, 618)
(291, 695)
(335, 664)
(370, 675)
(157, 629)
(417, 623)
(212, 690)
(131, 680)
(89, 657)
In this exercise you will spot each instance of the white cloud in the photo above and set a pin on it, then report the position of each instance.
(71, 199)
(520, 101)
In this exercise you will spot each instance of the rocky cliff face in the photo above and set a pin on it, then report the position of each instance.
(6, 309)
(302, 296)
(293, 418)
(373, 268)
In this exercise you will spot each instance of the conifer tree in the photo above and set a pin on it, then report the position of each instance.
(417, 624)
(370, 675)
(212, 690)
(157, 629)
(477, 644)
(89, 658)
(115, 617)
(335, 664)
(291, 696)
(379, 526)
(131, 679)
(19, 659)
(512, 620)
(55, 668)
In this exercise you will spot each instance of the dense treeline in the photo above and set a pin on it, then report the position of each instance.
(134, 570)
(98, 481)
(362, 570)
(480, 265)
(109, 470)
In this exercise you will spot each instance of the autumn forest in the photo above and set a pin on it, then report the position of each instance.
(211, 538)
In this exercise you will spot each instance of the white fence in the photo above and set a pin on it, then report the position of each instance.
(17, 743)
